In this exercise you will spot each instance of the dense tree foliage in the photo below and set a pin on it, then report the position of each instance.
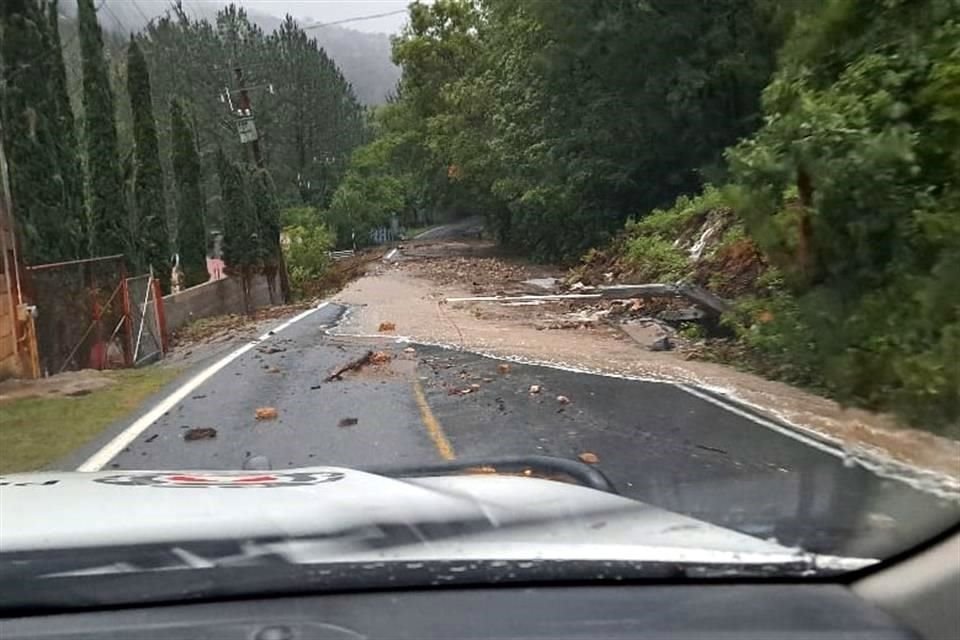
(190, 204)
(109, 224)
(559, 120)
(363, 57)
(242, 245)
(39, 136)
(70, 172)
(150, 219)
(131, 202)
(264, 200)
(851, 188)
(307, 116)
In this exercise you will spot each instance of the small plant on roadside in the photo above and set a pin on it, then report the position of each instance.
(656, 259)
(308, 256)
(692, 331)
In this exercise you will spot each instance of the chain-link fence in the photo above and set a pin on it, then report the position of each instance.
(80, 314)
(91, 315)
(145, 320)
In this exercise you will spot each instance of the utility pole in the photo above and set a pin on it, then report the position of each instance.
(246, 110)
(247, 129)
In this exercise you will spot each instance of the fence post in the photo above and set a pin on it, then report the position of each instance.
(161, 318)
(127, 324)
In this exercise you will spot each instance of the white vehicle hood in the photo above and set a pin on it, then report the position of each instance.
(332, 514)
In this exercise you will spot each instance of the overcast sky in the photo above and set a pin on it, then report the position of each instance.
(330, 11)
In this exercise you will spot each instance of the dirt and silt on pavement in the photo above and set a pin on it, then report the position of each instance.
(408, 297)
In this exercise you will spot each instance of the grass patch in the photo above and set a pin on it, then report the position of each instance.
(37, 431)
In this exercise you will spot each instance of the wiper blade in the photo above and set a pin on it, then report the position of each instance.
(270, 575)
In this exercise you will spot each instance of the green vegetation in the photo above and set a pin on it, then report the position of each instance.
(849, 194)
(264, 200)
(242, 248)
(851, 188)
(308, 242)
(560, 120)
(299, 217)
(37, 431)
(150, 221)
(310, 116)
(832, 132)
(833, 128)
(190, 205)
(69, 176)
(308, 256)
(107, 211)
(39, 139)
(150, 175)
(366, 197)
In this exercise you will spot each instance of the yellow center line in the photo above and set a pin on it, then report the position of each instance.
(434, 430)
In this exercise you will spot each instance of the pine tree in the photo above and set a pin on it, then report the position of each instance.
(29, 113)
(190, 203)
(241, 241)
(151, 235)
(109, 233)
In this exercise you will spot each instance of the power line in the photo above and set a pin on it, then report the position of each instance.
(63, 46)
(146, 20)
(357, 19)
(112, 14)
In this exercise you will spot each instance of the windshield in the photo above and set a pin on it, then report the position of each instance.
(470, 291)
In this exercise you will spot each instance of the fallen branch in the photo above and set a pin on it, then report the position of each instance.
(350, 366)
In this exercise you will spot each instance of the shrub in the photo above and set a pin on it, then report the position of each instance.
(656, 259)
(308, 256)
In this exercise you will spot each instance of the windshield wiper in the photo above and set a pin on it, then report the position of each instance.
(189, 577)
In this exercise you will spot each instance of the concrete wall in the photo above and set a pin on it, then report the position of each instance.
(215, 298)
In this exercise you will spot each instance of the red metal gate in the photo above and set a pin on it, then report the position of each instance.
(91, 315)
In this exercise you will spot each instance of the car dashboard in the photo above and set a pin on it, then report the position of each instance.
(734, 611)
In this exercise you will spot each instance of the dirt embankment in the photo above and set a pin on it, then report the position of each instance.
(411, 294)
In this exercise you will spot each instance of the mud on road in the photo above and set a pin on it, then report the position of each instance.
(410, 293)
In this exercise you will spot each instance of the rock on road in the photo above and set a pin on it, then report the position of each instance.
(655, 441)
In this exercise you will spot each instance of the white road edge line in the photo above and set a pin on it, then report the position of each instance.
(786, 431)
(113, 448)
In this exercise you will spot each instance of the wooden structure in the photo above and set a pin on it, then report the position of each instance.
(18, 343)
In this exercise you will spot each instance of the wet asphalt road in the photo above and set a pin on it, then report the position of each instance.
(656, 442)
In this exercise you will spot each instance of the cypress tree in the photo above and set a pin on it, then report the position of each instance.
(190, 204)
(28, 113)
(109, 233)
(241, 239)
(63, 127)
(267, 210)
(151, 235)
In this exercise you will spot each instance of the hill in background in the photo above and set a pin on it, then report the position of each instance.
(363, 58)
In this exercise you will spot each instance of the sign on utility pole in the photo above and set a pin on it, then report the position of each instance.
(247, 129)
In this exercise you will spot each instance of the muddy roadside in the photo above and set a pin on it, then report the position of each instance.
(411, 293)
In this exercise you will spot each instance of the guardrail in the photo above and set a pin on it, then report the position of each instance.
(341, 255)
